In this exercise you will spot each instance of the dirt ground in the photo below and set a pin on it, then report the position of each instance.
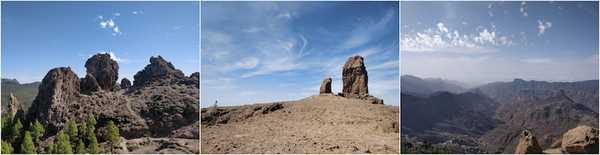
(317, 124)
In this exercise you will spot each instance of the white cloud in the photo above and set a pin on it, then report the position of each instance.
(284, 15)
(113, 56)
(543, 26)
(523, 9)
(445, 39)
(252, 29)
(537, 60)
(117, 14)
(368, 52)
(108, 23)
(137, 12)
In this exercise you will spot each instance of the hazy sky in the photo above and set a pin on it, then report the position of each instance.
(39, 36)
(478, 42)
(274, 51)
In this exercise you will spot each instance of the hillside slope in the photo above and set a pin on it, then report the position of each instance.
(317, 124)
(24, 92)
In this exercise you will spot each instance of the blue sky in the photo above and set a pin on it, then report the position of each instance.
(39, 36)
(254, 52)
(479, 42)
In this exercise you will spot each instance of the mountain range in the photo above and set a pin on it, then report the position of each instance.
(489, 118)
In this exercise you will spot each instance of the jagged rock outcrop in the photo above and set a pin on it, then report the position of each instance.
(528, 144)
(582, 139)
(59, 87)
(195, 76)
(125, 83)
(354, 77)
(104, 69)
(89, 84)
(325, 86)
(149, 110)
(158, 71)
(13, 105)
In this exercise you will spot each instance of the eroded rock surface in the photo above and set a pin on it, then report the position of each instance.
(158, 71)
(104, 69)
(325, 86)
(528, 144)
(89, 84)
(125, 83)
(582, 139)
(355, 79)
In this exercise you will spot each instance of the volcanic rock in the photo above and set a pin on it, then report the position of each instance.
(104, 69)
(59, 86)
(355, 79)
(158, 71)
(326, 86)
(125, 83)
(528, 144)
(582, 139)
(13, 105)
(89, 84)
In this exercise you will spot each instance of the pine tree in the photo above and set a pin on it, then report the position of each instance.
(15, 131)
(91, 121)
(6, 148)
(80, 147)
(51, 149)
(37, 131)
(112, 134)
(27, 146)
(93, 145)
(72, 131)
(63, 144)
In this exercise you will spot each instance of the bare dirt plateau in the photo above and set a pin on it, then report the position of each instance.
(317, 124)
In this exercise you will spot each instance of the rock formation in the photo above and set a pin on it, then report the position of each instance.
(354, 77)
(13, 105)
(582, 139)
(158, 71)
(59, 87)
(104, 69)
(153, 109)
(528, 144)
(125, 83)
(89, 84)
(326, 86)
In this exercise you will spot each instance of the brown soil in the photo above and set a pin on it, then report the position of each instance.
(317, 124)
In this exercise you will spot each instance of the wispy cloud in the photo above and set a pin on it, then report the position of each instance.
(364, 32)
(537, 60)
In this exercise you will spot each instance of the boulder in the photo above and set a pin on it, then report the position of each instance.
(195, 76)
(528, 144)
(582, 139)
(354, 78)
(104, 69)
(13, 105)
(326, 86)
(89, 84)
(158, 71)
(125, 83)
(59, 87)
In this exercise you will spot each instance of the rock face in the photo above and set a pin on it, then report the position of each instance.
(158, 71)
(326, 86)
(59, 87)
(104, 69)
(89, 84)
(355, 79)
(528, 144)
(582, 139)
(125, 83)
(13, 105)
